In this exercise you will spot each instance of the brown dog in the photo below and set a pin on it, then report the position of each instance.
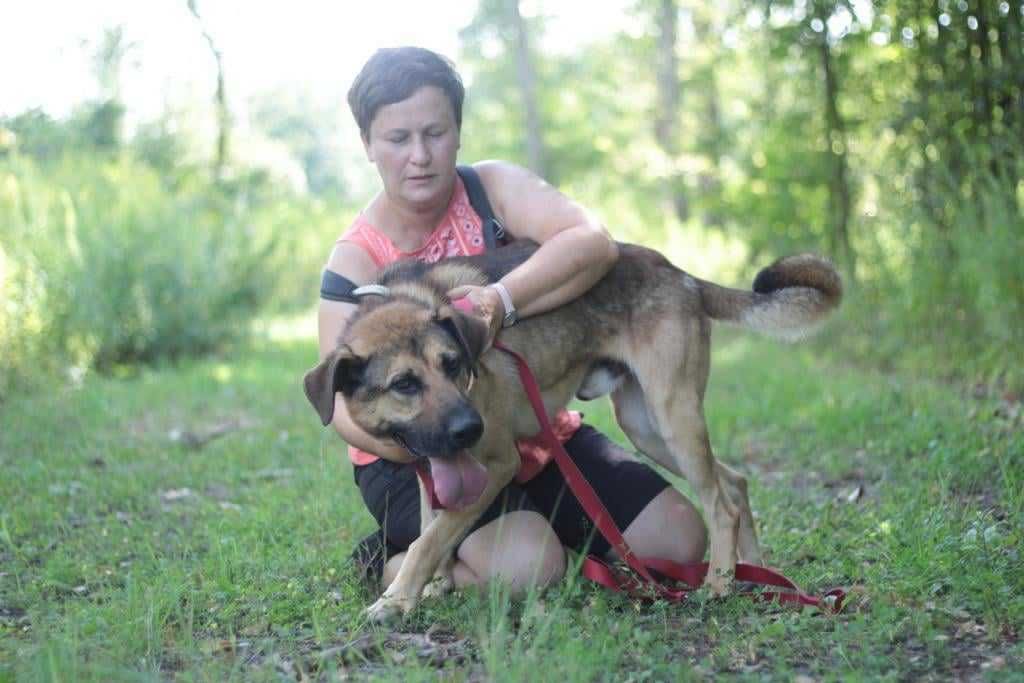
(405, 366)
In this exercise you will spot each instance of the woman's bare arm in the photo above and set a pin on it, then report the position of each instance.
(355, 264)
(575, 248)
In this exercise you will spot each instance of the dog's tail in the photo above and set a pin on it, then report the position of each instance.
(790, 298)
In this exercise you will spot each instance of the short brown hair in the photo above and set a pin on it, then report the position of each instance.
(394, 74)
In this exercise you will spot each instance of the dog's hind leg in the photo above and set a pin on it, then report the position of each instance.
(670, 429)
(682, 428)
(736, 486)
(632, 414)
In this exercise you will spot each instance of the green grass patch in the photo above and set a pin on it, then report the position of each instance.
(194, 522)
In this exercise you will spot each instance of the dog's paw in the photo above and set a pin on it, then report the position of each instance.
(388, 608)
(719, 584)
(440, 585)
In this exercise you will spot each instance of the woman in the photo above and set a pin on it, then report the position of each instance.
(408, 104)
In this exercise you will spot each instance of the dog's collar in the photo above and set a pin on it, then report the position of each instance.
(371, 290)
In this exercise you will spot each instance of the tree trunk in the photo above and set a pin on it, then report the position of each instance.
(709, 182)
(1009, 68)
(220, 100)
(840, 195)
(1009, 60)
(933, 196)
(535, 152)
(666, 122)
(1016, 41)
(985, 78)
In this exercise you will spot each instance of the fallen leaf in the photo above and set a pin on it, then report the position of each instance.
(174, 495)
(71, 488)
(970, 628)
(958, 613)
(217, 492)
(996, 663)
(255, 629)
(213, 646)
(197, 438)
(272, 473)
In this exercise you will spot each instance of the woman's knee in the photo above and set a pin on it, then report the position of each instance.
(670, 527)
(391, 568)
(519, 548)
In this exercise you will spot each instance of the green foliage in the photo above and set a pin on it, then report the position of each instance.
(310, 132)
(116, 253)
(94, 128)
(947, 303)
(105, 266)
(156, 145)
(885, 135)
(100, 126)
(304, 229)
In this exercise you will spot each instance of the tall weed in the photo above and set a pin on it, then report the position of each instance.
(103, 264)
(952, 303)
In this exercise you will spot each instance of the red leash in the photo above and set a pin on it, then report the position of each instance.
(643, 583)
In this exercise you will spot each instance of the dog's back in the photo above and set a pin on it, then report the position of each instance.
(789, 299)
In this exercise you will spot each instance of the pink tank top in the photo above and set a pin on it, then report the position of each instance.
(459, 233)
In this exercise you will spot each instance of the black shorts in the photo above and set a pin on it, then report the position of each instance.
(623, 484)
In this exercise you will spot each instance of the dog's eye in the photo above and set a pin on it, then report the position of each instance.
(451, 366)
(406, 386)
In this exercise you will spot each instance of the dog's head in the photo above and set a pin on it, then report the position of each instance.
(403, 369)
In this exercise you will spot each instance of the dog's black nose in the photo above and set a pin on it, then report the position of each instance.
(465, 428)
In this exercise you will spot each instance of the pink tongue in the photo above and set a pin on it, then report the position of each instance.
(458, 480)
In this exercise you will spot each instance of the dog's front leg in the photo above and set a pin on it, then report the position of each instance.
(438, 542)
(444, 579)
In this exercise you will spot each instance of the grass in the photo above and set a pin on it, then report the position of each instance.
(129, 552)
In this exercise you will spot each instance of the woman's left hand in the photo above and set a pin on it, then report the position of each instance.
(487, 306)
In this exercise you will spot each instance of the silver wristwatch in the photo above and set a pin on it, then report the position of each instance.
(506, 300)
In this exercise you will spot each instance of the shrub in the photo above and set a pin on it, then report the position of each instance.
(101, 264)
(951, 304)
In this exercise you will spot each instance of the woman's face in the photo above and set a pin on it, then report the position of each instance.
(413, 143)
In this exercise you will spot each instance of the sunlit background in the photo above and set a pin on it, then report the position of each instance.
(170, 507)
(885, 134)
(304, 45)
(305, 51)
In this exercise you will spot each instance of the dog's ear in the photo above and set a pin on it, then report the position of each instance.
(468, 331)
(341, 371)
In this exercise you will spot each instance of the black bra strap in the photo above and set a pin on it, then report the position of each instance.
(494, 231)
(334, 287)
